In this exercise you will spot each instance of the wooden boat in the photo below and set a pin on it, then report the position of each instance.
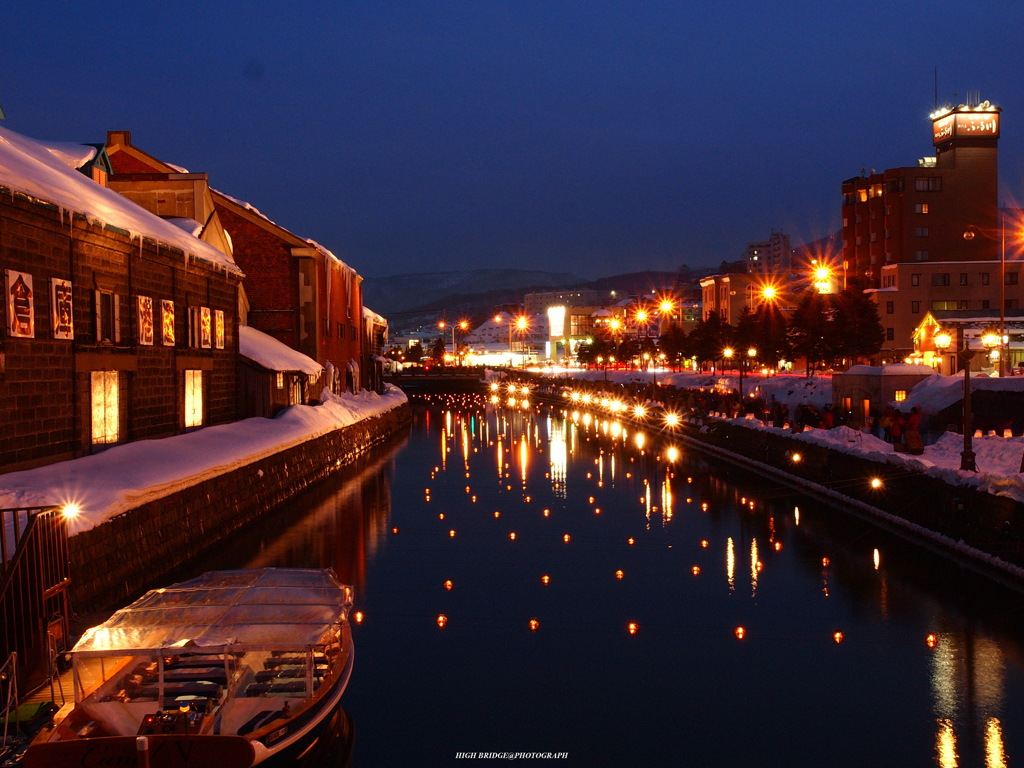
(230, 669)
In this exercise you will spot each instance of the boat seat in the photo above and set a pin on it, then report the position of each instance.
(261, 689)
(173, 690)
(288, 673)
(196, 674)
(294, 660)
(198, 660)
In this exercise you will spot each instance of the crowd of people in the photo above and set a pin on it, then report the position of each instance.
(893, 426)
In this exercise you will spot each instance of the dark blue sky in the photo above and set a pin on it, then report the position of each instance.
(593, 137)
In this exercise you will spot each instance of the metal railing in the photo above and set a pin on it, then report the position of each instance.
(34, 580)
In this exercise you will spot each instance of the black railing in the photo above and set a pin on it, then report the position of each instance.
(34, 579)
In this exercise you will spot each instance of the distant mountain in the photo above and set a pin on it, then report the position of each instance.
(475, 304)
(402, 293)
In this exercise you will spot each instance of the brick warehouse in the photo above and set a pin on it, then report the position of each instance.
(295, 290)
(119, 326)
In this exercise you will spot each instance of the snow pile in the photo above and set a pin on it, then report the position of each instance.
(124, 477)
(273, 354)
(939, 392)
(43, 172)
(998, 458)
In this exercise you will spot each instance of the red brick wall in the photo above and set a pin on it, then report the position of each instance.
(45, 382)
(342, 341)
(271, 277)
(122, 162)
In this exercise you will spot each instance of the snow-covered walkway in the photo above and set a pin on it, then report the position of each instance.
(106, 484)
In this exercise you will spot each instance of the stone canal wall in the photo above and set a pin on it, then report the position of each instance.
(115, 561)
(986, 529)
(981, 530)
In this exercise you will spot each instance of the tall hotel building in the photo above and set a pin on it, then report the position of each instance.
(920, 213)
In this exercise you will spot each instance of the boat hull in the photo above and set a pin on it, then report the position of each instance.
(165, 751)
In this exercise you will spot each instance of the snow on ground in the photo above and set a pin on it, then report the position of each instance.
(121, 478)
(791, 389)
(998, 458)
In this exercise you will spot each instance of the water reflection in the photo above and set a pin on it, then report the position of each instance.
(594, 688)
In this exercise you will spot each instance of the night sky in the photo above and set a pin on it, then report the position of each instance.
(592, 137)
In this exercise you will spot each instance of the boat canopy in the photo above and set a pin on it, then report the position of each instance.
(271, 608)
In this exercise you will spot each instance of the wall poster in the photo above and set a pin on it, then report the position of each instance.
(61, 316)
(20, 304)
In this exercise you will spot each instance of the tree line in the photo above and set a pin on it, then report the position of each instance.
(826, 330)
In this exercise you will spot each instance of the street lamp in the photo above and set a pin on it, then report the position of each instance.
(991, 341)
(727, 354)
(969, 235)
(442, 325)
(751, 354)
(942, 341)
(967, 462)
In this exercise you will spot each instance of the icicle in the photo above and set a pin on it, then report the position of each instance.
(140, 246)
(61, 209)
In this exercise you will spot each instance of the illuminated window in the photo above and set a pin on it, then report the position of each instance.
(280, 380)
(107, 313)
(104, 407)
(901, 395)
(863, 194)
(944, 304)
(921, 208)
(193, 399)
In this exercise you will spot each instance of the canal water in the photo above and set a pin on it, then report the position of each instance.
(536, 581)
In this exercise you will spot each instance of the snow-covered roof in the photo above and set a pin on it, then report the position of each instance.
(326, 252)
(191, 226)
(71, 154)
(896, 369)
(44, 172)
(253, 209)
(371, 315)
(272, 354)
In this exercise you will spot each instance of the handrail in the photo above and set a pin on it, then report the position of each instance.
(34, 583)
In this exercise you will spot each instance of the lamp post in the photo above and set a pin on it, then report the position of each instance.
(969, 235)
(967, 455)
(727, 354)
(463, 327)
(442, 325)
(942, 340)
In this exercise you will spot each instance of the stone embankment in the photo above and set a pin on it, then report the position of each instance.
(117, 560)
(980, 530)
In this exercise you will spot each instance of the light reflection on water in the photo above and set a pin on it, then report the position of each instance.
(682, 690)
